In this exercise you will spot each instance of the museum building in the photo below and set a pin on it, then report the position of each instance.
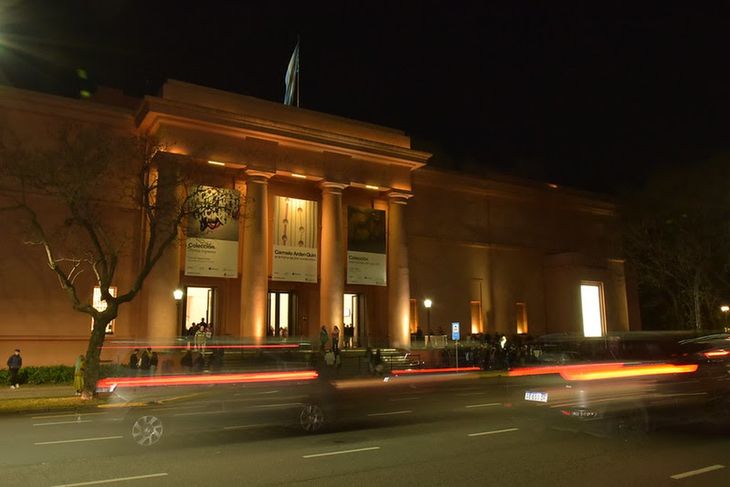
(341, 223)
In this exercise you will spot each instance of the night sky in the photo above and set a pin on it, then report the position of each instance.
(588, 94)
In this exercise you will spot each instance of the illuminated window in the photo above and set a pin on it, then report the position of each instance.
(477, 323)
(414, 316)
(521, 316)
(591, 297)
(100, 305)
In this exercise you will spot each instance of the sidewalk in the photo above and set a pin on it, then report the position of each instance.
(27, 391)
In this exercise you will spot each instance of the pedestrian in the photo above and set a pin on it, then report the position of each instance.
(134, 359)
(154, 360)
(79, 369)
(336, 340)
(15, 362)
(349, 334)
(323, 338)
(145, 360)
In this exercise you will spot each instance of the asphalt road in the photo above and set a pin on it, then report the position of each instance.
(467, 438)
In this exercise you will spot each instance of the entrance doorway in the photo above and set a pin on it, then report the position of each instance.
(353, 319)
(200, 304)
(281, 313)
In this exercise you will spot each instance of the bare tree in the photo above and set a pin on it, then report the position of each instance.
(92, 175)
(677, 236)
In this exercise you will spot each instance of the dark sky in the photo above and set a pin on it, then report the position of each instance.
(590, 94)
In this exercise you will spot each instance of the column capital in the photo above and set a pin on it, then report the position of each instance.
(399, 197)
(332, 187)
(258, 176)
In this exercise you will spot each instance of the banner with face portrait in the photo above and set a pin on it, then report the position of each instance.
(295, 240)
(211, 247)
(366, 246)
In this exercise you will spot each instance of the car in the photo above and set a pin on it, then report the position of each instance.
(672, 381)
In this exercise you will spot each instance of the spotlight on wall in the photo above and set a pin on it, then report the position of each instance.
(177, 294)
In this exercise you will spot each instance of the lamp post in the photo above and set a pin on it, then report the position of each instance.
(427, 304)
(178, 295)
(725, 309)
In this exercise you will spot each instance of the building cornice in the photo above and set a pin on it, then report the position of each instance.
(57, 106)
(528, 192)
(155, 112)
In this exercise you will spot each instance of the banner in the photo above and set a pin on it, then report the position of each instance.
(211, 247)
(366, 246)
(295, 240)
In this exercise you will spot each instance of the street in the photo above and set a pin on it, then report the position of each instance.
(468, 437)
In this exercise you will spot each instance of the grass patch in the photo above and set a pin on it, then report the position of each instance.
(23, 405)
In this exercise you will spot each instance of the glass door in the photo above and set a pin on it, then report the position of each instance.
(280, 316)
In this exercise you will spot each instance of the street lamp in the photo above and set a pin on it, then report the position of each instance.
(725, 308)
(427, 304)
(178, 295)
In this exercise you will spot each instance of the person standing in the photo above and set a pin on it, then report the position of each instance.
(154, 360)
(15, 362)
(336, 340)
(323, 338)
(134, 359)
(146, 359)
(79, 374)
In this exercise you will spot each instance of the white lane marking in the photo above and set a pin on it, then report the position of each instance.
(254, 393)
(485, 405)
(281, 404)
(118, 479)
(200, 413)
(696, 472)
(73, 415)
(243, 426)
(98, 438)
(63, 422)
(395, 399)
(407, 411)
(494, 432)
(341, 452)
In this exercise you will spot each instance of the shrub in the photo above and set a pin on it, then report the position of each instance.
(59, 374)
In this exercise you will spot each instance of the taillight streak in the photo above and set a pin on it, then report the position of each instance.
(185, 380)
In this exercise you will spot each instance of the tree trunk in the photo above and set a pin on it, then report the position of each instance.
(696, 300)
(93, 354)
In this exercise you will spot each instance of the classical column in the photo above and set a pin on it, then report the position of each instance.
(399, 292)
(255, 272)
(332, 260)
(164, 278)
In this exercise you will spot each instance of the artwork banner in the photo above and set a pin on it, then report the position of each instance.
(295, 240)
(211, 258)
(211, 249)
(366, 247)
(366, 268)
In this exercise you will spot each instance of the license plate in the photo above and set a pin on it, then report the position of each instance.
(536, 396)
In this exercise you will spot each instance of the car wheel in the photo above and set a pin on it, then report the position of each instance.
(312, 418)
(147, 430)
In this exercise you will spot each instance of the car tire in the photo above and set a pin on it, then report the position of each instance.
(147, 430)
(312, 418)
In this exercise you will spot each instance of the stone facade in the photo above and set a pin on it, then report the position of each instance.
(495, 254)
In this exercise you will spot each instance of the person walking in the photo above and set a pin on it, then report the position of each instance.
(15, 362)
(79, 369)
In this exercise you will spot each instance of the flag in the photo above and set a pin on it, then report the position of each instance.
(291, 77)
